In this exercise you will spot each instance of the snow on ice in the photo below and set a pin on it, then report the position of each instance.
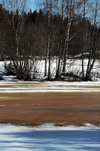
(48, 137)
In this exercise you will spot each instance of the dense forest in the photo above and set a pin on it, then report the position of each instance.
(57, 32)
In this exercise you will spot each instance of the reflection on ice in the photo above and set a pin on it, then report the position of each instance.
(49, 138)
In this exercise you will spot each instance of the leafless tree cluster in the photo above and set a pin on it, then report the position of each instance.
(61, 30)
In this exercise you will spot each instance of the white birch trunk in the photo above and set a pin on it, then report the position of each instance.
(70, 15)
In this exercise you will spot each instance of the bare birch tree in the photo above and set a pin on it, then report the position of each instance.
(94, 40)
(48, 40)
(70, 6)
(58, 70)
(18, 55)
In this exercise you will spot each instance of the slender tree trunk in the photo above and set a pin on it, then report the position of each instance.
(70, 14)
(60, 47)
(66, 44)
(83, 45)
(47, 59)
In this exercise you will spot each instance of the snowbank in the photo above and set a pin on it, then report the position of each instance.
(49, 138)
(72, 65)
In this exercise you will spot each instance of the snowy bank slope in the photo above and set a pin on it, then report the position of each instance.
(72, 65)
(49, 138)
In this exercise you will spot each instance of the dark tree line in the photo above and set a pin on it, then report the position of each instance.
(26, 38)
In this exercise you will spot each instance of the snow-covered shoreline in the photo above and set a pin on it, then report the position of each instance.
(72, 66)
(49, 138)
(10, 128)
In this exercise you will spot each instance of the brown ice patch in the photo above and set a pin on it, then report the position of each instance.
(32, 108)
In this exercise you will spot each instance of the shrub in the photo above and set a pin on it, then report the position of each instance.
(9, 69)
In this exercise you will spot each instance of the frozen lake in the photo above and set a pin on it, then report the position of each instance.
(47, 137)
